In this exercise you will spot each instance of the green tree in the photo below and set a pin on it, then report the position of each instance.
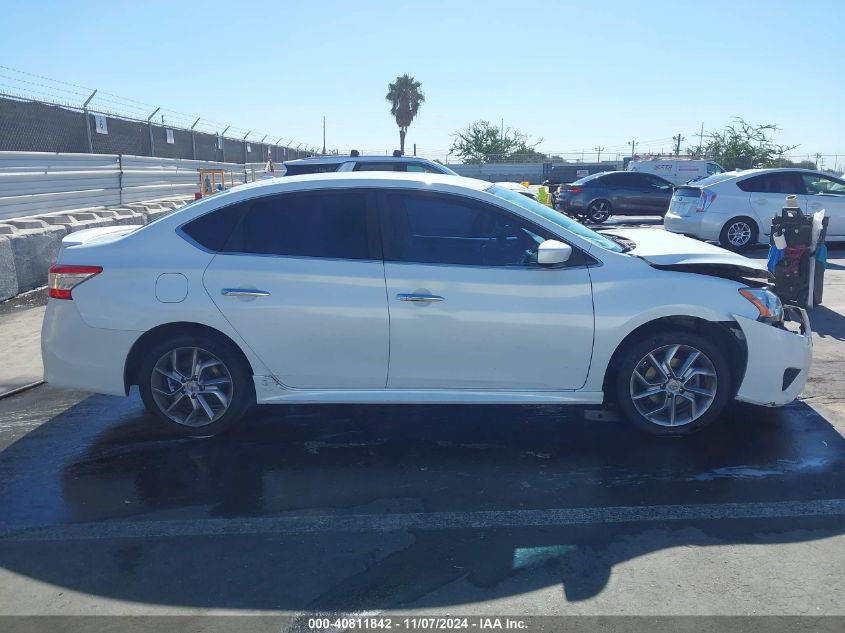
(742, 145)
(405, 99)
(483, 142)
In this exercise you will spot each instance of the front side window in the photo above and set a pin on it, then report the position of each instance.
(817, 185)
(563, 221)
(442, 229)
(655, 182)
(713, 168)
(330, 224)
(421, 169)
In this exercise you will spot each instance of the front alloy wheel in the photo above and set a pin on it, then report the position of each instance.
(673, 383)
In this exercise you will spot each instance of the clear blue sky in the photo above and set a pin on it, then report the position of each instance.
(577, 74)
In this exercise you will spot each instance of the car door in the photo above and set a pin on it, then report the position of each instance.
(657, 195)
(469, 306)
(626, 191)
(301, 279)
(824, 192)
(767, 194)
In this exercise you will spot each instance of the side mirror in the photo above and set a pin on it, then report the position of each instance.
(553, 253)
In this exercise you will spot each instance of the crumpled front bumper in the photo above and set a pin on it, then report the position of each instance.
(778, 361)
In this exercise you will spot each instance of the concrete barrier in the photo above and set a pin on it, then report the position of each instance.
(29, 246)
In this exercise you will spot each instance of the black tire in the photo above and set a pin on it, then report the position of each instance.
(672, 388)
(738, 234)
(598, 211)
(238, 395)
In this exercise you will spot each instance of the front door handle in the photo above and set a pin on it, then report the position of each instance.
(244, 292)
(418, 297)
(761, 201)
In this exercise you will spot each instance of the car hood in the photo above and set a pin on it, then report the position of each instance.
(666, 250)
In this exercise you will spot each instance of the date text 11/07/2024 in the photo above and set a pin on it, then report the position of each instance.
(417, 623)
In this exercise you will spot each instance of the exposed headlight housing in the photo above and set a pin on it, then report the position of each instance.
(766, 302)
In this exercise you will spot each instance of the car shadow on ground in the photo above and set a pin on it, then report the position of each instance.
(826, 322)
(377, 460)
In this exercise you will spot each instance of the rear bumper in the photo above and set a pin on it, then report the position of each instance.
(778, 362)
(77, 356)
(704, 226)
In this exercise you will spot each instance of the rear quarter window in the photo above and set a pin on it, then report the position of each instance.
(212, 230)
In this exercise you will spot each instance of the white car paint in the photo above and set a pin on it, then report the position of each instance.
(330, 331)
(678, 171)
(732, 202)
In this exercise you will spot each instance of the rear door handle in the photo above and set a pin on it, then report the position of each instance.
(244, 292)
(417, 297)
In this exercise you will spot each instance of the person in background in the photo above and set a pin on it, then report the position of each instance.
(354, 153)
(269, 167)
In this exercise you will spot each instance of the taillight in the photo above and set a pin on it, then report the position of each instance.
(61, 279)
(573, 189)
(705, 200)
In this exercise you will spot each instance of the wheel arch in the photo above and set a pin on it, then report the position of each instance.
(727, 335)
(150, 337)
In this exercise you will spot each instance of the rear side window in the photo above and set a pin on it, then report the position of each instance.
(314, 224)
(212, 230)
(317, 168)
(622, 179)
(385, 166)
(778, 182)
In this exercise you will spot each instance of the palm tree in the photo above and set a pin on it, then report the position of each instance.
(405, 98)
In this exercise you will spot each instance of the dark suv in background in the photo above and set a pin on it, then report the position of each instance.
(598, 196)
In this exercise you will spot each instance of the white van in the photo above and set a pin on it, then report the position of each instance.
(678, 171)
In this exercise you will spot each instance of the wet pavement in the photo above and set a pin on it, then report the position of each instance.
(427, 509)
(360, 508)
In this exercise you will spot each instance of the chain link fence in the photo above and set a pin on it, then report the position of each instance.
(28, 125)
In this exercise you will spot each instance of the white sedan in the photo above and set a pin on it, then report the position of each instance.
(736, 208)
(412, 288)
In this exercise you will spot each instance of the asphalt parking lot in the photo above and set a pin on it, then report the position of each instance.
(529, 510)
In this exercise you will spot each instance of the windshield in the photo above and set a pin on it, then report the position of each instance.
(561, 220)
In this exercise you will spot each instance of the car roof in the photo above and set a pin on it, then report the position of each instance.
(329, 160)
(363, 178)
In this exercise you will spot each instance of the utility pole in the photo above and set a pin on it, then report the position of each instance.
(633, 145)
(324, 134)
(818, 160)
(678, 140)
(598, 152)
(701, 140)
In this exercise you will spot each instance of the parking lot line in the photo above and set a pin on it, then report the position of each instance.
(326, 523)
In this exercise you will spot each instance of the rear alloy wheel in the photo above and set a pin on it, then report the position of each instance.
(673, 383)
(738, 234)
(197, 386)
(599, 211)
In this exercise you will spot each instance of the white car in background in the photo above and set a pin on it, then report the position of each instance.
(411, 288)
(678, 171)
(736, 208)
